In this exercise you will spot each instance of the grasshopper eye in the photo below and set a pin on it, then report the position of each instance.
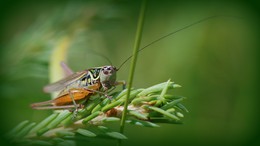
(106, 72)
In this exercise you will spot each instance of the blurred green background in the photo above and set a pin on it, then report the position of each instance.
(216, 62)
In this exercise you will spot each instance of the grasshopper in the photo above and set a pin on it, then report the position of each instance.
(82, 85)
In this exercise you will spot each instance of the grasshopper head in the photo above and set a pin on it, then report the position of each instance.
(108, 76)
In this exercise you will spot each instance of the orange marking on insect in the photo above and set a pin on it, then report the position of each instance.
(78, 94)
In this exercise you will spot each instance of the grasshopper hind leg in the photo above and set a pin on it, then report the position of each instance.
(76, 106)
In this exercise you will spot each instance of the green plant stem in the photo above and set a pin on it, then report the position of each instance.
(133, 62)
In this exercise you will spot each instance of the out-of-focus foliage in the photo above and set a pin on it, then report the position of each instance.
(215, 62)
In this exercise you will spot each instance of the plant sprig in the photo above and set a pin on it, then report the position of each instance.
(146, 107)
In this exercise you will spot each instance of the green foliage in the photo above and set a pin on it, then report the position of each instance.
(145, 107)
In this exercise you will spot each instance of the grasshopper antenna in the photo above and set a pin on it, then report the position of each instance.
(102, 55)
(174, 32)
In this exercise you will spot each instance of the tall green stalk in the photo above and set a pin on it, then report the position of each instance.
(133, 62)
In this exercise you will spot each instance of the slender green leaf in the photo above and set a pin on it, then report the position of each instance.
(172, 97)
(85, 132)
(176, 86)
(111, 119)
(103, 128)
(68, 121)
(112, 105)
(158, 103)
(171, 110)
(155, 88)
(41, 143)
(42, 131)
(134, 93)
(54, 123)
(164, 120)
(142, 123)
(62, 133)
(63, 115)
(116, 135)
(90, 117)
(89, 107)
(25, 130)
(44, 123)
(17, 129)
(172, 104)
(164, 90)
(167, 114)
(58, 139)
(179, 114)
(142, 99)
(182, 107)
(100, 105)
(139, 115)
(67, 143)
(96, 108)
(121, 94)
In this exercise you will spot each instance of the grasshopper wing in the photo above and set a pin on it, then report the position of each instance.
(63, 83)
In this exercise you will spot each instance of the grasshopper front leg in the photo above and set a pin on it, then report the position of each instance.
(106, 90)
(99, 92)
(123, 83)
